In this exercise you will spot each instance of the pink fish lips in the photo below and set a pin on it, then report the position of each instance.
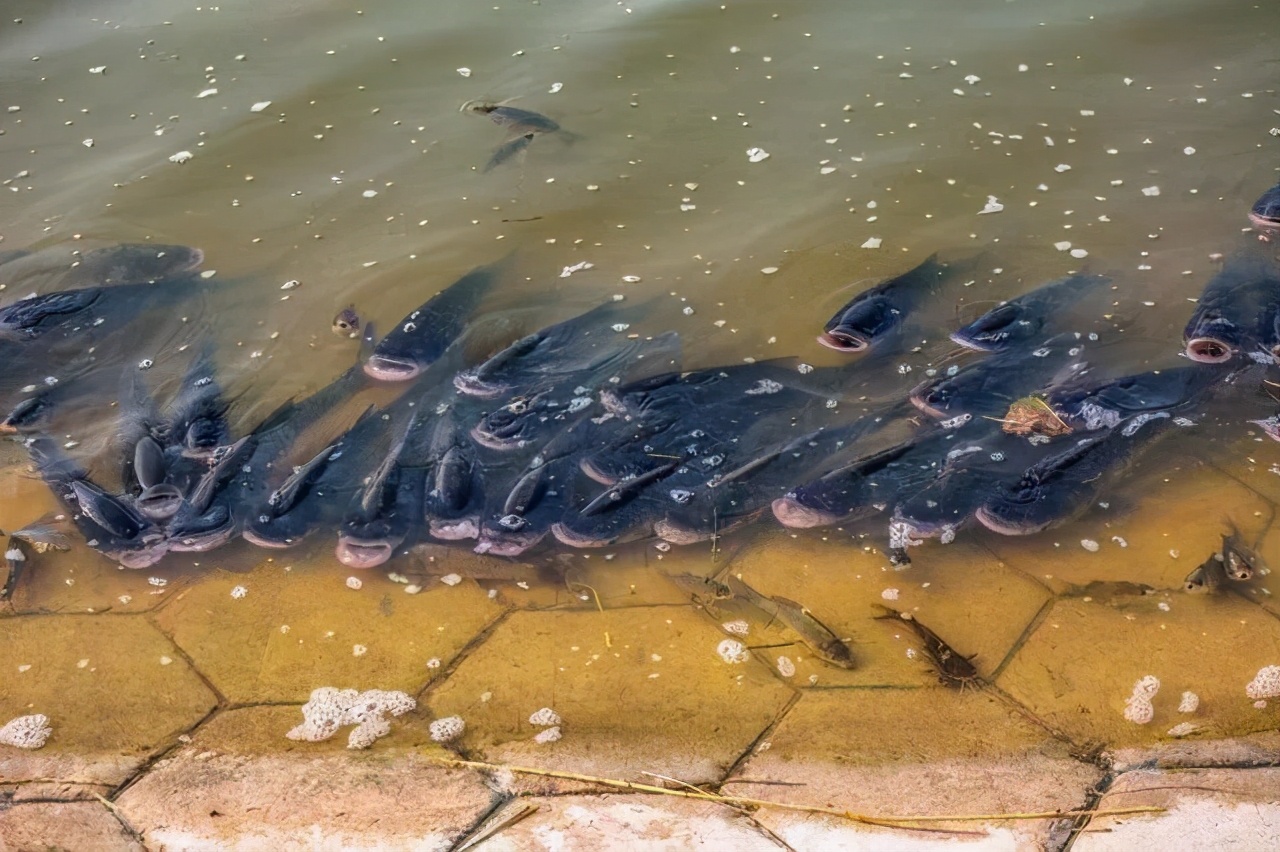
(355, 553)
(842, 341)
(1209, 350)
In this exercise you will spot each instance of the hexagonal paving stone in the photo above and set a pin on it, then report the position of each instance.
(1186, 516)
(907, 752)
(959, 590)
(112, 686)
(1205, 809)
(1079, 666)
(64, 825)
(295, 630)
(614, 823)
(638, 689)
(241, 783)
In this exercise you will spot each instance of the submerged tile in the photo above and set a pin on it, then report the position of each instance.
(638, 689)
(1079, 666)
(293, 631)
(64, 825)
(101, 682)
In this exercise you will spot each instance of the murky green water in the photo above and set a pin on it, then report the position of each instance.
(322, 143)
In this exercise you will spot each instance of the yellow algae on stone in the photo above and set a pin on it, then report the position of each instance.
(639, 689)
(113, 710)
(294, 631)
(1079, 667)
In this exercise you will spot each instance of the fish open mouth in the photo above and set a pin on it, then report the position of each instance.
(386, 369)
(159, 502)
(793, 514)
(454, 530)
(675, 533)
(573, 538)
(507, 544)
(469, 383)
(1270, 224)
(262, 541)
(357, 553)
(843, 341)
(486, 438)
(999, 525)
(918, 399)
(1209, 350)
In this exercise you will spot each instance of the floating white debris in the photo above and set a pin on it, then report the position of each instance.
(1086, 112)
(433, 663)
(1139, 710)
(259, 106)
(98, 69)
(370, 193)
(1089, 545)
(826, 170)
(769, 270)
(786, 668)
(577, 267)
(1151, 191)
(756, 155)
(330, 709)
(1023, 67)
(1062, 167)
(1079, 253)
(1062, 246)
(545, 718)
(738, 627)
(238, 592)
(1265, 684)
(732, 651)
(448, 729)
(1190, 703)
(890, 594)
(291, 284)
(872, 243)
(1183, 729)
(555, 87)
(631, 279)
(451, 579)
(88, 143)
(465, 72)
(971, 79)
(1188, 150)
(1119, 541)
(207, 93)
(993, 205)
(355, 583)
(26, 731)
(359, 650)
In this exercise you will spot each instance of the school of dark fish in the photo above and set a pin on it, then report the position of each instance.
(582, 435)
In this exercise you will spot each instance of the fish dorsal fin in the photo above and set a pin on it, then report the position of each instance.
(284, 497)
(373, 491)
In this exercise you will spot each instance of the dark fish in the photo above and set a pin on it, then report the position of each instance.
(110, 525)
(60, 269)
(384, 511)
(1239, 560)
(1029, 317)
(874, 314)
(819, 638)
(521, 121)
(1086, 403)
(347, 322)
(318, 491)
(1065, 484)
(454, 496)
(507, 150)
(424, 335)
(1237, 313)
(953, 669)
(1265, 214)
(40, 535)
(987, 388)
(197, 416)
(1206, 578)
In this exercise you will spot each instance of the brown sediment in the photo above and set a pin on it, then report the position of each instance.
(1031, 414)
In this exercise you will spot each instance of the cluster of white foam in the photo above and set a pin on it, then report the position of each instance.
(330, 709)
(1265, 684)
(1139, 709)
(26, 731)
(545, 718)
(448, 729)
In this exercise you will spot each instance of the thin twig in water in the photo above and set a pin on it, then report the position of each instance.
(501, 821)
(909, 823)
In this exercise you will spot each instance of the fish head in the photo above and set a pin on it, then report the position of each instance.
(199, 534)
(29, 415)
(858, 325)
(998, 328)
(1211, 337)
(279, 531)
(204, 436)
(159, 502)
(1265, 213)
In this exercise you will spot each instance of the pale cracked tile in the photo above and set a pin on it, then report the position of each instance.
(293, 631)
(619, 823)
(637, 689)
(1220, 809)
(63, 825)
(101, 681)
(241, 784)
(1079, 666)
(908, 752)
